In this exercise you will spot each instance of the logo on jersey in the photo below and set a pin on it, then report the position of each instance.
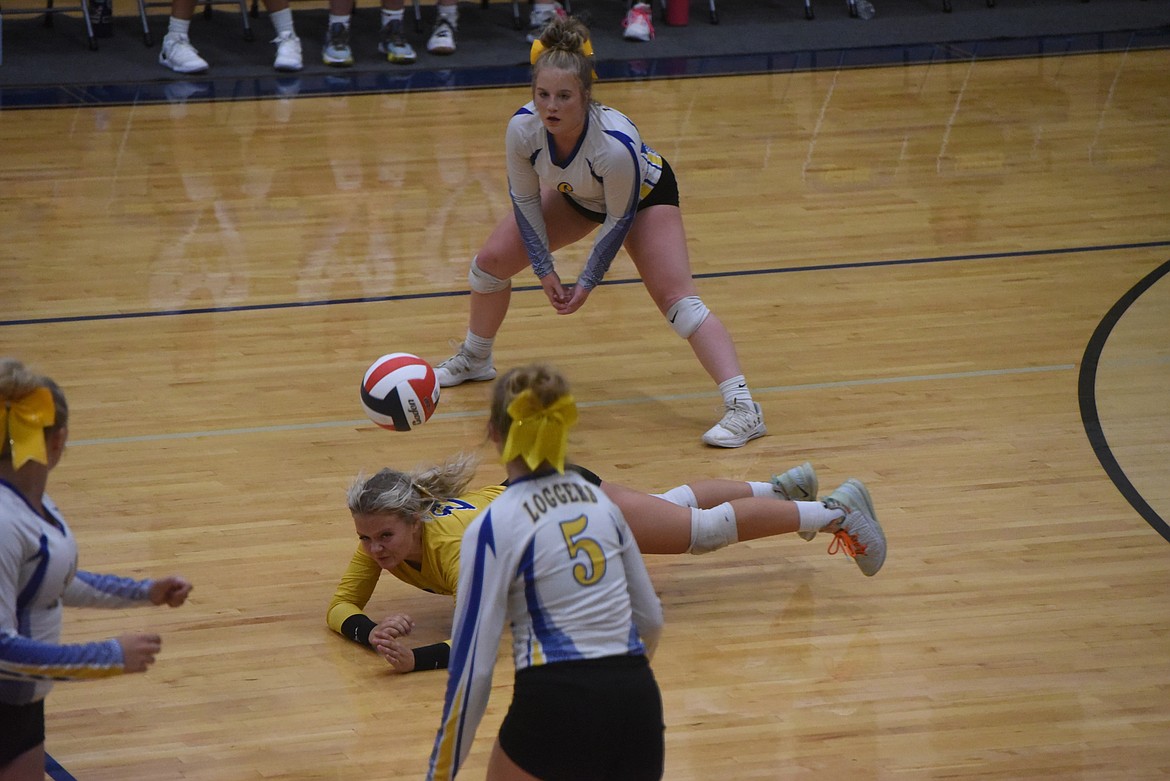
(565, 187)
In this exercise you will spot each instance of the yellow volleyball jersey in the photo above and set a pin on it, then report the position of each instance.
(441, 538)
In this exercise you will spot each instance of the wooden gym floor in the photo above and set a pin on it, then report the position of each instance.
(946, 280)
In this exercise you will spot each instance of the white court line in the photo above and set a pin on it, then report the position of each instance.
(231, 432)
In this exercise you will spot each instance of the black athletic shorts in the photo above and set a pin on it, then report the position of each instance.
(24, 728)
(665, 192)
(593, 720)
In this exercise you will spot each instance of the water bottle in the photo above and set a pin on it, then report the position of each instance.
(101, 16)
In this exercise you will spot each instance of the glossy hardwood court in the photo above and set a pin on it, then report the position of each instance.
(916, 263)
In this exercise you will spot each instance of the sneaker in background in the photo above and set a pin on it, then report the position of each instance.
(179, 55)
(638, 23)
(288, 52)
(442, 40)
(393, 43)
(337, 51)
(542, 16)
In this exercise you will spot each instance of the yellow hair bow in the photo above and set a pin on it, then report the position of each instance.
(538, 49)
(539, 433)
(23, 425)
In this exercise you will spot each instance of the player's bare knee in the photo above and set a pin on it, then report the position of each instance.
(482, 282)
(686, 315)
(713, 529)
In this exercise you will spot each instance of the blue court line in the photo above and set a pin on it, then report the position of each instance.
(54, 770)
(527, 288)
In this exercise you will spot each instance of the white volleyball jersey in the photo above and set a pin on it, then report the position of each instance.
(608, 173)
(38, 575)
(555, 558)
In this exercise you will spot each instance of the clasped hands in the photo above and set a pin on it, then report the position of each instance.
(566, 299)
(386, 640)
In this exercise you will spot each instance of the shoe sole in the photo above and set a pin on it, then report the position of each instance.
(477, 378)
(862, 502)
(761, 431)
(187, 72)
(337, 63)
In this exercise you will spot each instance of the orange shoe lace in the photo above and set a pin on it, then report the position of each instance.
(843, 542)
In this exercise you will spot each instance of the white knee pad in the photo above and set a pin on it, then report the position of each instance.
(687, 315)
(683, 496)
(713, 529)
(483, 282)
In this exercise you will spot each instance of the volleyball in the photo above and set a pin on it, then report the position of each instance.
(400, 392)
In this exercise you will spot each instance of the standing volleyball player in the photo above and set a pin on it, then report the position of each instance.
(38, 574)
(574, 164)
(553, 557)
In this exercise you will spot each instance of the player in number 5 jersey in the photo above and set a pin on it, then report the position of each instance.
(553, 557)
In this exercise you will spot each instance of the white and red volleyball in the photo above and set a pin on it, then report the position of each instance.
(400, 392)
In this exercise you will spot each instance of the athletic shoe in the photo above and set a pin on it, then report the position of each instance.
(442, 40)
(739, 426)
(638, 23)
(179, 55)
(540, 17)
(288, 52)
(337, 51)
(798, 484)
(394, 45)
(463, 367)
(861, 536)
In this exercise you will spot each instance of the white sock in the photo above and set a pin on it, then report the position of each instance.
(735, 392)
(542, 10)
(389, 16)
(477, 346)
(814, 516)
(179, 27)
(681, 495)
(282, 21)
(339, 19)
(450, 13)
(766, 490)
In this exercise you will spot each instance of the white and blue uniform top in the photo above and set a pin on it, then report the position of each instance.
(38, 576)
(554, 557)
(608, 173)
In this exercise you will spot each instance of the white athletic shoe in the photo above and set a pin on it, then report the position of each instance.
(179, 55)
(288, 52)
(463, 367)
(638, 23)
(798, 484)
(861, 536)
(739, 426)
(442, 40)
(540, 17)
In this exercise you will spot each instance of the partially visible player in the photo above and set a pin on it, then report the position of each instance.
(553, 557)
(38, 574)
(410, 524)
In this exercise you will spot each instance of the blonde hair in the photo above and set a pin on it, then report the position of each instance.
(545, 382)
(564, 41)
(411, 495)
(16, 382)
